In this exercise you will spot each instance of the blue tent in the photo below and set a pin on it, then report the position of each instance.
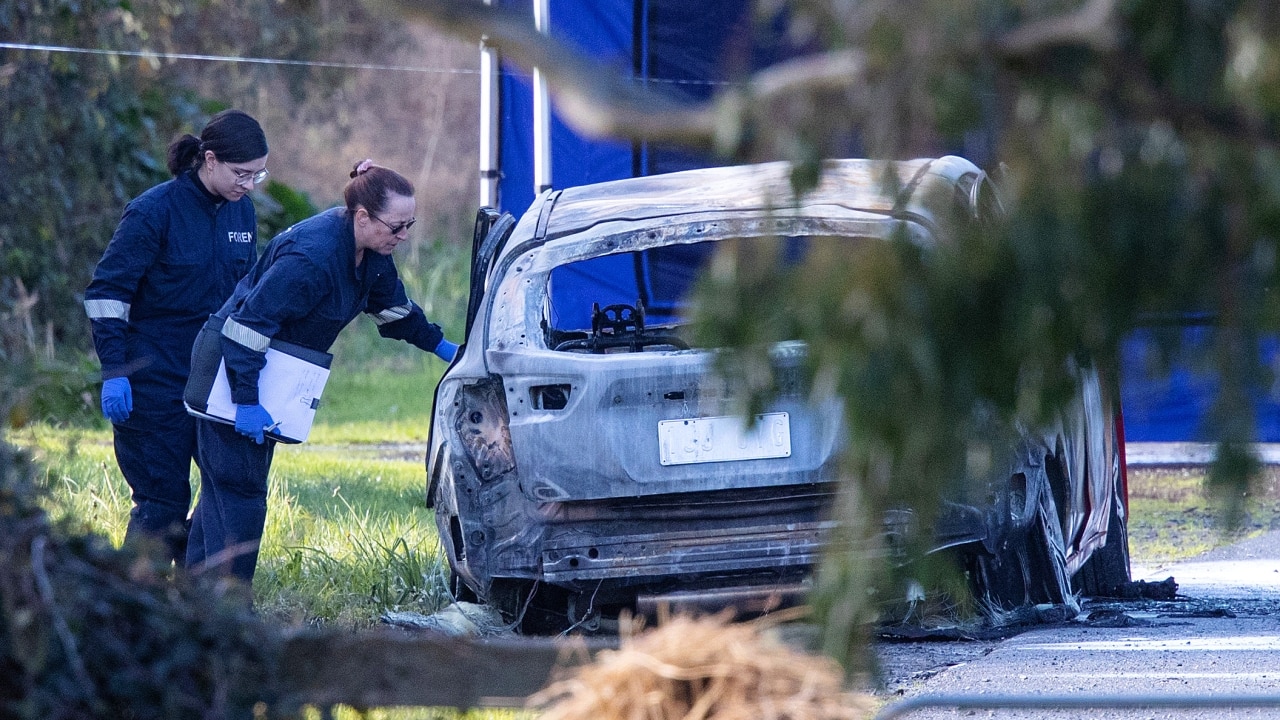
(685, 49)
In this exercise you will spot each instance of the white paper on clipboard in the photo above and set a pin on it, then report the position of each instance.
(289, 388)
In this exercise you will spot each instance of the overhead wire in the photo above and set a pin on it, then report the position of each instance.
(152, 54)
(233, 59)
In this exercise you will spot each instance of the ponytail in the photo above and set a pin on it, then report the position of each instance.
(183, 154)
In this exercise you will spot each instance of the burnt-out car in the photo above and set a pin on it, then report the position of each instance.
(583, 459)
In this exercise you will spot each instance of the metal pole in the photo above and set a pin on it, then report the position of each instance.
(1075, 702)
(489, 171)
(541, 108)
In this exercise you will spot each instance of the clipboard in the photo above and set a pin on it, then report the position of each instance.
(290, 385)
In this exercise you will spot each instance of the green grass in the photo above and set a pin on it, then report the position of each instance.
(395, 395)
(347, 537)
(1173, 517)
(348, 533)
(80, 473)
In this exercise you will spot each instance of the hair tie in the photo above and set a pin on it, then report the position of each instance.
(364, 166)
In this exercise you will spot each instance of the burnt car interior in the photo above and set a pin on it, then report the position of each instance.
(630, 301)
(615, 328)
(624, 302)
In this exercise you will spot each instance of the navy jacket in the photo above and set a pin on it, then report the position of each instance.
(175, 258)
(304, 289)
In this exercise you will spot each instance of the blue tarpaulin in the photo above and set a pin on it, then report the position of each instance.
(683, 49)
(1168, 387)
(686, 50)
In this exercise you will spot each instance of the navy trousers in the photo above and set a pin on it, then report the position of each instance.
(227, 525)
(154, 449)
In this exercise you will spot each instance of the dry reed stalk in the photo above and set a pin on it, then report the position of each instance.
(704, 668)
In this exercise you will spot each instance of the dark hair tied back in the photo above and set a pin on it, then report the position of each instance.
(232, 135)
(183, 153)
(371, 184)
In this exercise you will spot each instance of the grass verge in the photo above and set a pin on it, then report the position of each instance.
(348, 533)
(1173, 517)
(389, 397)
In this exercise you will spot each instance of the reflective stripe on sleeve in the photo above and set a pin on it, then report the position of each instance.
(247, 337)
(107, 309)
(393, 314)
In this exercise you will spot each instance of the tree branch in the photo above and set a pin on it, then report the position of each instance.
(594, 102)
(602, 103)
(605, 104)
(60, 626)
(1095, 25)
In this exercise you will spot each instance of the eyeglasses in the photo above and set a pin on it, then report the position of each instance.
(249, 176)
(398, 227)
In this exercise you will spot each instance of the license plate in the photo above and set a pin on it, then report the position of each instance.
(723, 439)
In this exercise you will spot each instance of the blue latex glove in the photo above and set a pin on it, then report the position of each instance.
(445, 350)
(117, 399)
(252, 420)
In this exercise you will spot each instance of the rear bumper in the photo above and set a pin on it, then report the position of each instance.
(573, 558)
(749, 599)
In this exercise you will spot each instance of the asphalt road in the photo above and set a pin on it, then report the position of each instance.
(1157, 454)
(1215, 648)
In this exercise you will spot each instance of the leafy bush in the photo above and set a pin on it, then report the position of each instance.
(83, 133)
(80, 137)
(41, 385)
(91, 632)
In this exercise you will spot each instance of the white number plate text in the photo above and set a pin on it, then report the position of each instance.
(723, 439)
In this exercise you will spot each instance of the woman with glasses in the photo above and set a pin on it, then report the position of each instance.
(177, 254)
(311, 281)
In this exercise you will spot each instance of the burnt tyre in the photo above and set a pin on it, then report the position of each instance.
(1026, 565)
(1044, 565)
(1107, 569)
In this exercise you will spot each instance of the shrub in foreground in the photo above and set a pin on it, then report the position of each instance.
(87, 631)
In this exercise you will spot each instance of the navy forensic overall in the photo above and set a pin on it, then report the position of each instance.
(175, 257)
(304, 289)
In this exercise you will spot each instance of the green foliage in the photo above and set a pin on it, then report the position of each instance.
(81, 134)
(1136, 151)
(89, 631)
(279, 206)
(41, 385)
